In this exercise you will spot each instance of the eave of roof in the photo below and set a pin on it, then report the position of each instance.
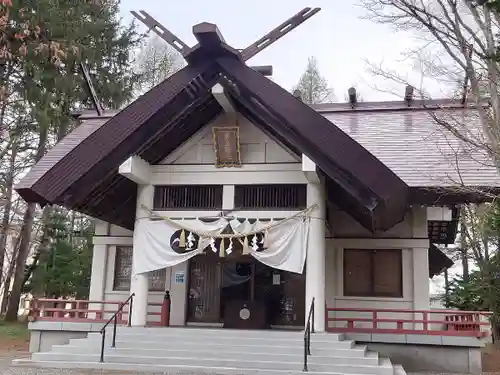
(118, 136)
(357, 178)
(394, 105)
(438, 261)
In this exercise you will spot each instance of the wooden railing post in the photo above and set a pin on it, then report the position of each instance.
(120, 317)
(33, 314)
(100, 314)
(326, 318)
(374, 319)
(62, 306)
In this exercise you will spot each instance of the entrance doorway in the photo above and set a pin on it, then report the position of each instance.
(219, 285)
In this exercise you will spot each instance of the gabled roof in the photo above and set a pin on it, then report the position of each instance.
(82, 175)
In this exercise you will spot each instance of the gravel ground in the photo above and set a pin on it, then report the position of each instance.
(31, 371)
(7, 369)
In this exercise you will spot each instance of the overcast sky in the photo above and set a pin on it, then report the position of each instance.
(337, 36)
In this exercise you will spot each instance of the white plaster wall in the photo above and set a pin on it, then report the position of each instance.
(410, 237)
(255, 146)
(115, 230)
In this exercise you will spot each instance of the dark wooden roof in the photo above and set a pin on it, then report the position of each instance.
(362, 185)
(438, 261)
(81, 172)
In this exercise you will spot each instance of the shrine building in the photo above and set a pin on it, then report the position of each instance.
(256, 211)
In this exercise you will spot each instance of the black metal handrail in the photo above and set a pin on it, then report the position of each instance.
(114, 318)
(307, 334)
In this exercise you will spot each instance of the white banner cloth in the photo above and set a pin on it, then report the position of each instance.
(286, 242)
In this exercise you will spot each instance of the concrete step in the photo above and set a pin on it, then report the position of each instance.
(86, 345)
(399, 370)
(242, 355)
(222, 334)
(384, 368)
(140, 339)
(167, 369)
(213, 332)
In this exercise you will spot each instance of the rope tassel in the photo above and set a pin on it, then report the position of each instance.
(246, 248)
(182, 239)
(265, 242)
(222, 249)
(212, 245)
(255, 245)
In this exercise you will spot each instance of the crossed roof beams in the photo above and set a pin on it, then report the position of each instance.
(209, 35)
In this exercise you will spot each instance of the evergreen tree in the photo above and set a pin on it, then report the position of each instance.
(65, 272)
(51, 88)
(313, 86)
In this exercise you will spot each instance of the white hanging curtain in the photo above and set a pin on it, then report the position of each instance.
(153, 243)
(285, 244)
(277, 244)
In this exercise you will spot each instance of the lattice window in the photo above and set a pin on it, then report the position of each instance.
(373, 273)
(205, 197)
(439, 232)
(271, 197)
(123, 272)
(157, 280)
(123, 268)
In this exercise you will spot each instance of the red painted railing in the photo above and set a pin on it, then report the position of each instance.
(65, 310)
(402, 321)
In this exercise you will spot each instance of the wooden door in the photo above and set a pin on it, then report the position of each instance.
(293, 302)
(204, 290)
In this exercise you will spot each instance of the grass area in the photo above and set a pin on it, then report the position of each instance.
(13, 330)
(13, 336)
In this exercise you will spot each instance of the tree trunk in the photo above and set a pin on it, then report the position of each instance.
(465, 264)
(4, 227)
(8, 277)
(41, 253)
(463, 250)
(24, 246)
(446, 289)
(22, 255)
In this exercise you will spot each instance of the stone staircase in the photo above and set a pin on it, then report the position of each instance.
(215, 351)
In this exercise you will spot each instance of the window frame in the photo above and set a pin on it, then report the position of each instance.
(150, 275)
(118, 250)
(249, 197)
(165, 197)
(373, 293)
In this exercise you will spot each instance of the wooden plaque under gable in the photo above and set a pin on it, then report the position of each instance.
(227, 146)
